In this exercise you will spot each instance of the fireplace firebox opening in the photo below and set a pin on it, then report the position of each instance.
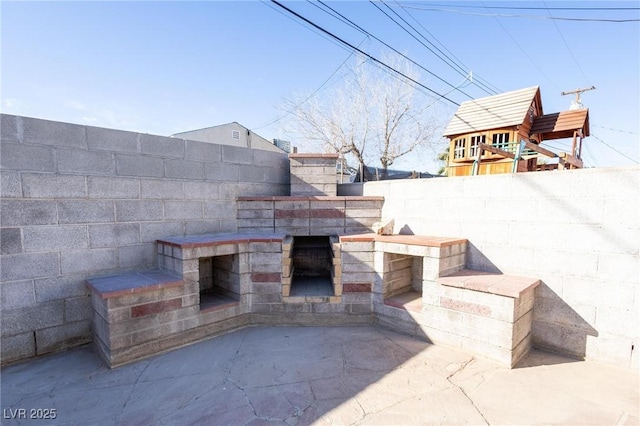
(219, 280)
(312, 260)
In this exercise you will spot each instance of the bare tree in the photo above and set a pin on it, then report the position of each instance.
(372, 116)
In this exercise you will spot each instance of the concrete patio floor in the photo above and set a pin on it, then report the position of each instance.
(319, 375)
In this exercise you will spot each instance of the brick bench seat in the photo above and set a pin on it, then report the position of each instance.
(495, 312)
(133, 282)
(139, 314)
(492, 283)
(412, 240)
(206, 240)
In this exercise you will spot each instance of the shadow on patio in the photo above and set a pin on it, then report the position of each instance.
(304, 375)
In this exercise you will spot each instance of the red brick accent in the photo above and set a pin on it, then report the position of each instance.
(326, 213)
(459, 305)
(291, 214)
(262, 277)
(356, 288)
(155, 307)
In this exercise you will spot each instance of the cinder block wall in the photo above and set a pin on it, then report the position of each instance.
(578, 231)
(80, 201)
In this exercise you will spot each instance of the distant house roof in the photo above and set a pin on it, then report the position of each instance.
(218, 126)
(561, 124)
(234, 134)
(493, 112)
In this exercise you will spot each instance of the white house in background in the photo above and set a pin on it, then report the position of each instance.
(229, 134)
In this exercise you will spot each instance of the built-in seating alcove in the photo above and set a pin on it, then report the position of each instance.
(219, 280)
(402, 281)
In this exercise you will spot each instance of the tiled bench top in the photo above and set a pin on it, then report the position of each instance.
(414, 240)
(133, 282)
(204, 240)
(487, 282)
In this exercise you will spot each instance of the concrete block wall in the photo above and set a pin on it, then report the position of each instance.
(576, 230)
(80, 201)
(313, 174)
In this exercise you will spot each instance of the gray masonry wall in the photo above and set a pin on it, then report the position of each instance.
(80, 201)
(578, 231)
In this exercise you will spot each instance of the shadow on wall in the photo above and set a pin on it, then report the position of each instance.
(581, 216)
(476, 260)
(406, 230)
(557, 327)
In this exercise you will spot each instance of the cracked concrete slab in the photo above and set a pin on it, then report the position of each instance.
(318, 375)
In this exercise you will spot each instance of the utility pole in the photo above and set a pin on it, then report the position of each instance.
(577, 102)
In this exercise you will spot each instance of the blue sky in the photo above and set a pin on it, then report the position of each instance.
(165, 67)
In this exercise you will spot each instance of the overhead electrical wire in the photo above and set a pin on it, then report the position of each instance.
(447, 61)
(504, 15)
(567, 46)
(616, 130)
(457, 60)
(276, 119)
(356, 26)
(614, 149)
(528, 7)
(371, 57)
(313, 30)
(524, 52)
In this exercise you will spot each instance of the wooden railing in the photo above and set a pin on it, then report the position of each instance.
(516, 150)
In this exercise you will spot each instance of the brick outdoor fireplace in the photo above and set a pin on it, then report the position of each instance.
(312, 216)
(310, 258)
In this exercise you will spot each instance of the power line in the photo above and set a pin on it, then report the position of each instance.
(484, 82)
(616, 130)
(464, 72)
(362, 52)
(276, 119)
(305, 27)
(504, 15)
(524, 51)
(460, 70)
(612, 148)
(567, 45)
(362, 30)
(530, 7)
